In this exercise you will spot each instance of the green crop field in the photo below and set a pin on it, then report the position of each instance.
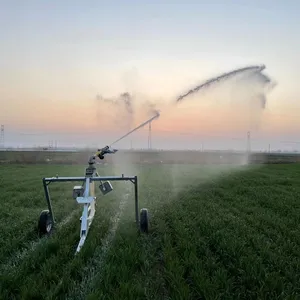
(216, 233)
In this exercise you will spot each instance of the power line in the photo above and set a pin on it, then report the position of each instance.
(187, 134)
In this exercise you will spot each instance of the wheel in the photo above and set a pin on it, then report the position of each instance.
(144, 220)
(45, 223)
(101, 156)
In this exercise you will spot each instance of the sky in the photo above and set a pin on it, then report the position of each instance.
(56, 56)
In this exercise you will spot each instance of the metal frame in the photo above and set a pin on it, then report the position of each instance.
(89, 199)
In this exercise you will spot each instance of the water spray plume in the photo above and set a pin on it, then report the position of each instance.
(127, 99)
(219, 78)
(138, 127)
(251, 75)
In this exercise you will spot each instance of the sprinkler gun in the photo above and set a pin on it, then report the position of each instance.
(101, 153)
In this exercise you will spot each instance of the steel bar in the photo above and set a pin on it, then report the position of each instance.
(100, 178)
(136, 200)
(47, 194)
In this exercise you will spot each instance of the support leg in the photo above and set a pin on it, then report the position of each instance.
(92, 206)
(46, 189)
(136, 201)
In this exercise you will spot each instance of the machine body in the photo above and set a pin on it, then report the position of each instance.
(85, 195)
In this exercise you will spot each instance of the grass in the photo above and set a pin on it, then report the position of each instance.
(215, 234)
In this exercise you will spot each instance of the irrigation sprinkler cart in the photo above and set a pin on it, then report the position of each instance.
(85, 195)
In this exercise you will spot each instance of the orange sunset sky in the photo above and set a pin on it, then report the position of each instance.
(56, 58)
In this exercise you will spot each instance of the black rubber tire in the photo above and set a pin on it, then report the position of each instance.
(144, 220)
(45, 224)
(101, 156)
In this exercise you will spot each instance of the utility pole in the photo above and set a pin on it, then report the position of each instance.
(2, 141)
(248, 142)
(149, 137)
